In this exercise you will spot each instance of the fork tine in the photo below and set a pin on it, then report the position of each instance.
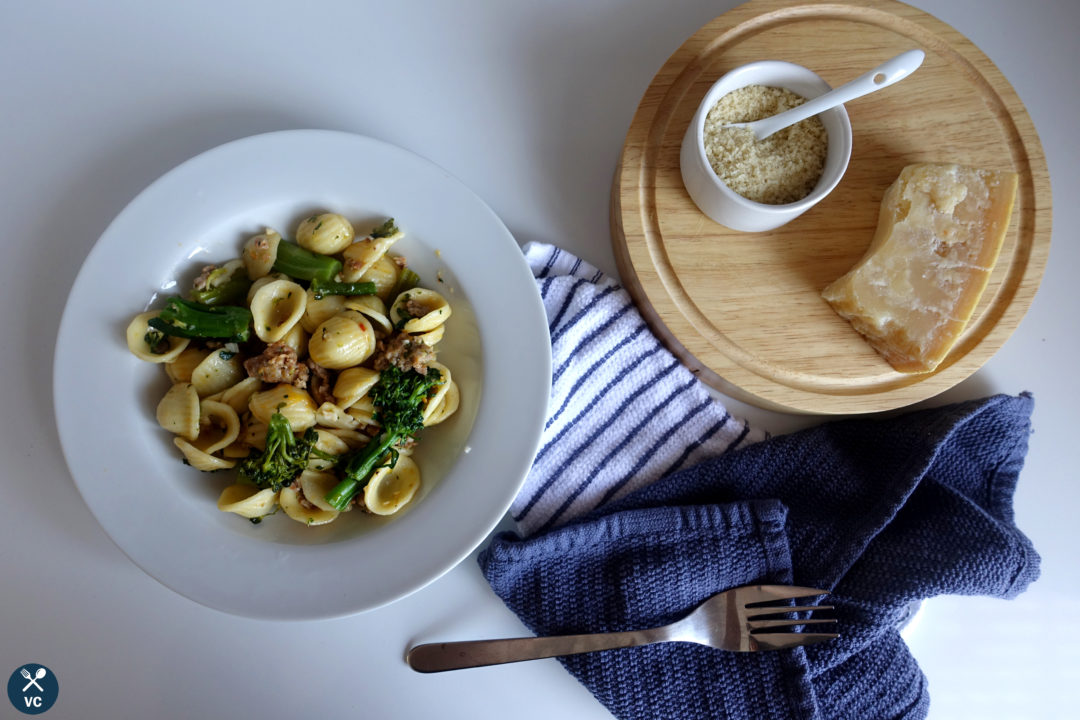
(769, 593)
(763, 610)
(761, 624)
(779, 641)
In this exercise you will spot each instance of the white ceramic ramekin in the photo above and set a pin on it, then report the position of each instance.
(723, 204)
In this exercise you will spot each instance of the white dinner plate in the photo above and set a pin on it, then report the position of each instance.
(163, 514)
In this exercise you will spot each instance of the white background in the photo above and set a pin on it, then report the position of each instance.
(528, 104)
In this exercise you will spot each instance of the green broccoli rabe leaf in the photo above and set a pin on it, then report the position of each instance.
(387, 229)
(156, 342)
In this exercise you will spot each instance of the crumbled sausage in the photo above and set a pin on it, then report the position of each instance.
(405, 352)
(300, 497)
(278, 364)
(320, 382)
(415, 308)
(204, 277)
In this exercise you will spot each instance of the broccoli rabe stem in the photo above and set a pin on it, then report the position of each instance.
(406, 281)
(322, 288)
(359, 469)
(231, 292)
(184, 318)
(302, 264)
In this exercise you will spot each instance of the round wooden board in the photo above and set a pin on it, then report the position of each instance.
(744, 310)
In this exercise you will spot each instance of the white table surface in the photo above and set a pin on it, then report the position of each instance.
(528, 104)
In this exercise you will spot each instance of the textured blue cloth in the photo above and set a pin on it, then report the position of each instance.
(882, 512)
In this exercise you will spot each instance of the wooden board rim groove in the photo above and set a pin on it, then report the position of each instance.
(740, 373)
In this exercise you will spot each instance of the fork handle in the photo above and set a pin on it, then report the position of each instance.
(437, 657)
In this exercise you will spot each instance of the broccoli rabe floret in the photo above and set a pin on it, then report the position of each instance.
(285, 456)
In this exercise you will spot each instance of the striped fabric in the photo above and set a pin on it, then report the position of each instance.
(623, 410)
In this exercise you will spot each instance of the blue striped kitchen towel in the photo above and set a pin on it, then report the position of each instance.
(623, 411)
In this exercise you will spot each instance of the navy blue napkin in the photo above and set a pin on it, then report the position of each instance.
(882, 512)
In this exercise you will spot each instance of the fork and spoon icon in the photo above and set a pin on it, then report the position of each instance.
(41, 672)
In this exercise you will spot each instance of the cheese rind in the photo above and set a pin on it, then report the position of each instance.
(940, 231)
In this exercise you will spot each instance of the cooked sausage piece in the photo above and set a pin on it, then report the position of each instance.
(278, 364)
(405, 352)
(320, 389)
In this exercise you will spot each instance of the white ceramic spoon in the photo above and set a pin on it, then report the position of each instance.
(884, 75)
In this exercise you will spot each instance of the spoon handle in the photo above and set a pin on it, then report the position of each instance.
(885, 74)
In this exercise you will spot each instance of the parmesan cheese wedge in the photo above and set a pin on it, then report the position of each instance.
(940, 231)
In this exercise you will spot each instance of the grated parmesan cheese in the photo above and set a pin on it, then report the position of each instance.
(784, 167)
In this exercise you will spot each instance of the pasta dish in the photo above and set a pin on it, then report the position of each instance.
(308, 368)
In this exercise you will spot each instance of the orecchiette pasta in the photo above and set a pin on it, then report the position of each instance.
(259, 283)
(164, 350)
(330, 445)
(178, 411)
(315, 398)
(217, 371)
(374, 309)
(239, 395)
(297, 338)
(260, 252)
(446, 406)
(391, 488)
(200, 460)
(295, 508)
(352, 384)
(180, 369)
(276, 307)
(292, 402)
(419, 310)
(315, 486)
(248, 501)
(342, 341)
(384, 273)
(362, 255)
(320, 310)
(219, 426)
(329, 415)
(325, 234)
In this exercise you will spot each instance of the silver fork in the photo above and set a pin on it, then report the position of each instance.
(743, 619)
